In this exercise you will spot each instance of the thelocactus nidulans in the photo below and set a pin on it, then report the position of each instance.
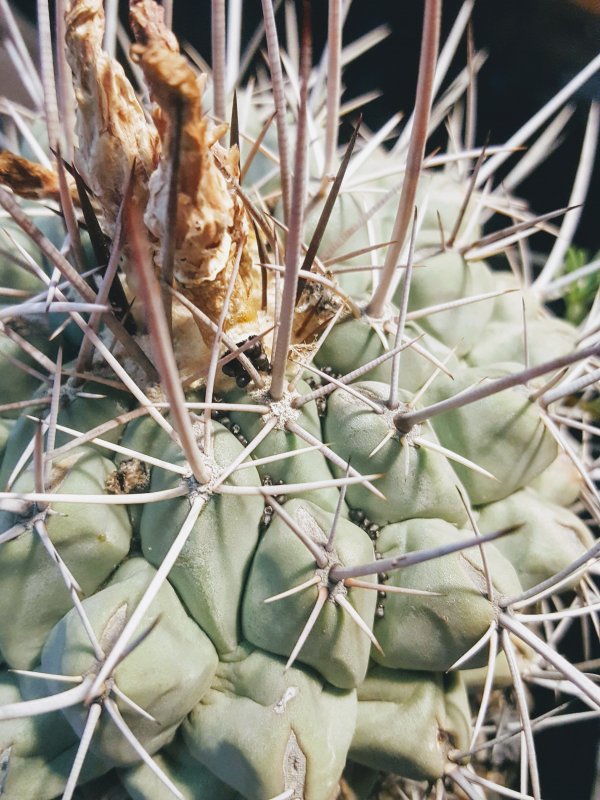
(296, 461)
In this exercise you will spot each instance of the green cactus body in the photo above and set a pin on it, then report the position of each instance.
(559, 483)
(417, 365)
(36, 753)
(503, 433)
(335, 647)
(168, 675)
(310, 466)
(502, 341)
(18, 384)
(236, 562)
(427, 713)
(442, 197)
(191, 778)
(432, 632)
(79, 413)
(92, 540)
(446, 278)
(266, 731)
(423, 486)
(550, 537)
(211, 571)
(6, 426)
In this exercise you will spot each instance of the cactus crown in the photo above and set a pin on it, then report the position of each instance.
(277, 517)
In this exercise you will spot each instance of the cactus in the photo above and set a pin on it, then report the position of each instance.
(276, 518)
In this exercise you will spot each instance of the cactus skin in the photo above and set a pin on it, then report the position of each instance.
(276, 586)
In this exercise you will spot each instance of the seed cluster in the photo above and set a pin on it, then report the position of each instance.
(268, 512)
(258, 357)
(373, 530)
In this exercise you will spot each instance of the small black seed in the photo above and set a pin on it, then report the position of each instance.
(264, 523)
(231, 368)
(356, 515)
(262, 363)
(373, 531)
(216, 413)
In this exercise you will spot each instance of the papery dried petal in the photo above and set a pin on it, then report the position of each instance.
(112, 129)
(28, 178)
(211, 222)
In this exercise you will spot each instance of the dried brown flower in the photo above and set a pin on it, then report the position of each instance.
(211, 223)
(113, 132)
(27, 178)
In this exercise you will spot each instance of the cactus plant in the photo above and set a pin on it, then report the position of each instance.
(276, 518)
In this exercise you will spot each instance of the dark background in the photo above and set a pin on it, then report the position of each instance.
(534, 47)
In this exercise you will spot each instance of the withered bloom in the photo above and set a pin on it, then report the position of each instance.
(113, 132)
(211, 223)
(27, 178)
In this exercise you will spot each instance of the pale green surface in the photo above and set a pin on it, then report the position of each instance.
(166, 674)
(445, 278)
(559, 483)
(16, 383)
(337, 240)
(551, 537)
(45, 735)
(309, 467)
(440, 197)
(408, 721)
(427, 489)
(503, 433)
(211, 571)
(16, 272)
(431, 633)
(243, 725)
(546, 338)
(354, 342)
(509, 307)
(91, 539)
(6, 426)
(80, 414)
(336, 647)
(193, 780)
(45, 779)
(350, 344)
(37, 752)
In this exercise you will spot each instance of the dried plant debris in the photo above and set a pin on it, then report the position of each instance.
(27, 178)
(113, 133)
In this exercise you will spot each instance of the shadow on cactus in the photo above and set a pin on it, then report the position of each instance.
(296, 489)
